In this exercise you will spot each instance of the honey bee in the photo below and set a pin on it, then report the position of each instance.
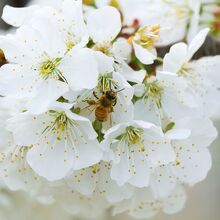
(104, 105)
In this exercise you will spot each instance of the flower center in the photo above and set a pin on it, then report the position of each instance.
(154, 91)
(104, 48)
(105, 82)
(185, 70)
(59, 124)
(132, 136)
(47, 67)
(147, 36)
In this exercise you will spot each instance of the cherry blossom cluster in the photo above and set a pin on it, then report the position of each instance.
(93, 117)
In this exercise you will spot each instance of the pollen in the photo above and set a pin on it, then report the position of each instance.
(95, 168)
(69, 45)
(177, 162)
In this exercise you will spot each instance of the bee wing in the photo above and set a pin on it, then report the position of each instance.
(88, 108)
(110, 117)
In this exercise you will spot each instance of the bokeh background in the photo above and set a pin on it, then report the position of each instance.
(203, 199)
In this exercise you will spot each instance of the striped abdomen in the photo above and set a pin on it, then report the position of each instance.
(101, 113)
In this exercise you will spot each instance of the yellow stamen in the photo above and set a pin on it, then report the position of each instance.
(95, 168)
(69, 45)
(147, 36)
(47, 67)
(88, 2)
(130, 40)
(114, 3)
(60, 131)
(177, 162)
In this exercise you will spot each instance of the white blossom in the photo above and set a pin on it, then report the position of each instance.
(59, 141)
(93, 116)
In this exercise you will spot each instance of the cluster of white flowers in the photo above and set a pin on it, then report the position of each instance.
(92, 118)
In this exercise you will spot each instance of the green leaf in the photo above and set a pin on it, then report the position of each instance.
(76, 110)
(97, 125)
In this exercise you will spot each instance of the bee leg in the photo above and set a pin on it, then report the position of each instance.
(110, 123)
(111, 109)
(95, 95)
(90, 101)
(115, 103)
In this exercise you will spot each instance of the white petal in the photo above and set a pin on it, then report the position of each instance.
(104, 24)
(15, 171)
(15, 80)
(195, 19)
(17, 16)
(88, 153)
(112, 133)
(146, 56)
(130, 74)
(197, 42)
(116, 193)
(105, 63)
(193, 162)
(51, 161)
(27, 128)
(101, 3)
(73, 14)
(80, 69)
(175, 202)
(47, 92)
(176, 58)
(121, 48)
(83, 181)
(178, 134)
(203, 132)
(162, 182)
(139, 90)
(147, 111)
(84, 124)
(53, 43)
(128, 90)
(160, 150)
(208, 67)
(141, 177)
(120, 172)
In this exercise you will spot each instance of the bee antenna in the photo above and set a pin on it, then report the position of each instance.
(120, 90)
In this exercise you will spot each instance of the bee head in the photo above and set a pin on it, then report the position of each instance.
(111, 95)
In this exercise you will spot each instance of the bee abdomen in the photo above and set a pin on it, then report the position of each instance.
(101, 114)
